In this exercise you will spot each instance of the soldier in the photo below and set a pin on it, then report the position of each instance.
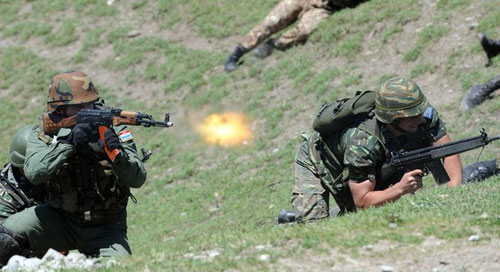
(88, 193)
(347, 163)
(16, 192)
(478, 93)
(309, 13)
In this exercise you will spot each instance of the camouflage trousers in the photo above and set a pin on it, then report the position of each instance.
(310, 199)
(309, 13)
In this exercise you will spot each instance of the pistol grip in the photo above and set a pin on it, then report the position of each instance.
(112, 153)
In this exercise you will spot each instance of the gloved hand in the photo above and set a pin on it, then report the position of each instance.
(111, 139)
(79, 135)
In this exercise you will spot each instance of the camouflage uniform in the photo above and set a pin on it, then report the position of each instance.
(88, 193)
(328, 160)
(310, 14)
(353, 154)
(17, 193)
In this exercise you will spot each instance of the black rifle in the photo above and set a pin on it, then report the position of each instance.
(429, 158)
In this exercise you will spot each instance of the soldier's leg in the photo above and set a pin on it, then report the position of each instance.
(309, 198)
(281, 16)
(107, 240)
(308, 22)
(43, 228)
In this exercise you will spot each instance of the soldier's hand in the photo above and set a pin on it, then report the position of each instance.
(111, 139)
(80, 135)
(411, 181)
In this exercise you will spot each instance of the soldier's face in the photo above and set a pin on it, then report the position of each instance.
(410, 124)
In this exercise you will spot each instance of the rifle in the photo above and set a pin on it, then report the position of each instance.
(102, 120)
(429, 158)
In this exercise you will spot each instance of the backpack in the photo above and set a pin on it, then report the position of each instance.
(345, 112)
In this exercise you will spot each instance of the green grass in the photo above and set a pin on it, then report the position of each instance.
(201, 198)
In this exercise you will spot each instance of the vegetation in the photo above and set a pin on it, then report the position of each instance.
(201, 199)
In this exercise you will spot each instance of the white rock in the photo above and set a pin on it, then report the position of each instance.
(386, 268)
(264, 257)
(31, 264)
(14, 264)
(474, 238)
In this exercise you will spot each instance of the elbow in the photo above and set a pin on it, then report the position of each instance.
(138, 180)
(362, 204)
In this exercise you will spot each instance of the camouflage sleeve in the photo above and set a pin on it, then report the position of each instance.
(129, 169)
(434, 127)
(43, 160)
(362, 152)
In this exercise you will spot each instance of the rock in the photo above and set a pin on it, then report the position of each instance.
(133, 33)
(14, 264)
(368, 247)
(264, 257)
(386, 268)
(474, 238)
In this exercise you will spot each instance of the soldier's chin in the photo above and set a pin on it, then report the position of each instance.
(411, 129)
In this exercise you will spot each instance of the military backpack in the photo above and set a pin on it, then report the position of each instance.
(345, 112)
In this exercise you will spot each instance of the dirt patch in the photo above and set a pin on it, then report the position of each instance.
(431, 255)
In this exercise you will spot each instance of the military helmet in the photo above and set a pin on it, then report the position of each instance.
(399, 98)
(70, 88)
(17, 150)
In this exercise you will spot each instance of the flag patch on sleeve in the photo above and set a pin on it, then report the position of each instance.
(125, 136)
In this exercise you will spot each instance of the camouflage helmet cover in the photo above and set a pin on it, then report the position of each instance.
(17, 151)
(70, 88)
(399, 98)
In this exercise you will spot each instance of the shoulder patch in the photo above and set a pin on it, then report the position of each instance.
(428, 112)
(125, 136)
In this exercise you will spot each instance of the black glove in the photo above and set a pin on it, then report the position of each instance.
(79, 135)
(111, 139)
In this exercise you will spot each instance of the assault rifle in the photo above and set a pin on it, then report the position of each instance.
(429, 158)
(102, 120)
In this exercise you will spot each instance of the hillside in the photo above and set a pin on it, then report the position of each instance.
(213, 208)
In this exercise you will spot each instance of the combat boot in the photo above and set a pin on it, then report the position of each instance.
(491, 47)
(232, 61)
(480, 170)
(478, 93)
(11, 244)
(264, 50)
(286, 216)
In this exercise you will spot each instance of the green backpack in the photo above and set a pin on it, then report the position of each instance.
(345, 112)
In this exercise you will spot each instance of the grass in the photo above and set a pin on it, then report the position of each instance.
(201, 199)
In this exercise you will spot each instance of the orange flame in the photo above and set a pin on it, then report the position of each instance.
(225, 129)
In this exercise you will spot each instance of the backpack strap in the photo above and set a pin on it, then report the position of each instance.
(338, 187)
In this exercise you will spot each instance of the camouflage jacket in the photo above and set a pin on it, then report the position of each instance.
(83, 180)
(364, 147)
(17, 193)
